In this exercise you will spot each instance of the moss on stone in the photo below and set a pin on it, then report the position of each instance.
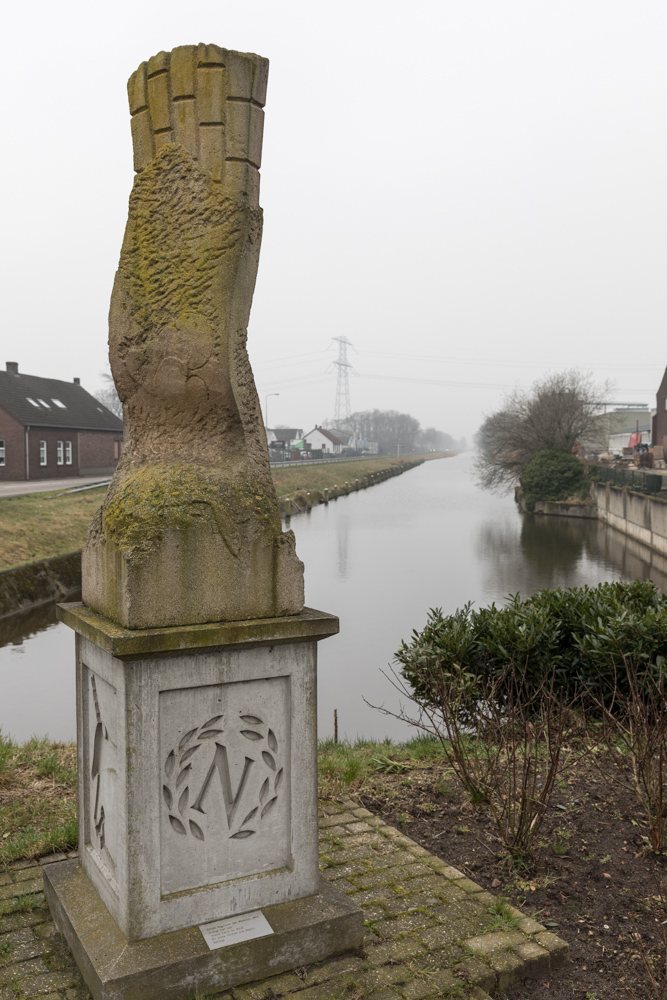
(161, 497)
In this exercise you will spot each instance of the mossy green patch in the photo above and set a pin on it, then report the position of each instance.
(163, 497)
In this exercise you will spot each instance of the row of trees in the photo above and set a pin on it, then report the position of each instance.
(398, 432)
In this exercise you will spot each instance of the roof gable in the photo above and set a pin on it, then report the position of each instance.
(49, 402)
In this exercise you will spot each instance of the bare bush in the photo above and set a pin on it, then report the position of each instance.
(635, 725)
(506, 746)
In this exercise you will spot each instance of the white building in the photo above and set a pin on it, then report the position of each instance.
(329, 441)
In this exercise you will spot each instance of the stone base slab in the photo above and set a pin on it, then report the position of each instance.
(175, 966)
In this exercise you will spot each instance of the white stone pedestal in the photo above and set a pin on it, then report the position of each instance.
(197, 755)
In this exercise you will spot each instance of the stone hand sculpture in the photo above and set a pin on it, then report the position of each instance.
(190, 529)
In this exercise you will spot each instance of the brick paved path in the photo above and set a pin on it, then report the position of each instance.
(429, 932)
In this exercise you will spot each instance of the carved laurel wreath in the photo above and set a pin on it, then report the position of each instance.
(178, 768)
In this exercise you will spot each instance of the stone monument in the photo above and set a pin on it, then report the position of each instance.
(196, 660)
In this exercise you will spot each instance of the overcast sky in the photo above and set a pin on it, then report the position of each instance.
(474, 193)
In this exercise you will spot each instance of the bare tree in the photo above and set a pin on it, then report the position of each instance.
(394, 431)
(558, 412)
(108, 396)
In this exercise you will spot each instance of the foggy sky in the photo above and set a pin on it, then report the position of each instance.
(474, 193)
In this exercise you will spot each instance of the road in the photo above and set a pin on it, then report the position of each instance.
(16, 489)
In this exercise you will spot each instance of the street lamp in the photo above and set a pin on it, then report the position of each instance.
(266, 407)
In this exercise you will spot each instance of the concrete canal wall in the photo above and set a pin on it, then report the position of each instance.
(41, 582)
(303, 500)
(639, 515)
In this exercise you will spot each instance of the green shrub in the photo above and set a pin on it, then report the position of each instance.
(552, 475)
(583, 634)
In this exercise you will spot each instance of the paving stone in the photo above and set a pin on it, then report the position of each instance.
(361, 812)
(359, 827)
(556, 947)
(49, 859)
(45, 930)
(536, 963)
(14, 889)
(446, 933)
(478, 973)
(13, 920)
(468, 885)
(394, 951)
(341, 966)
(408, 922)
(47, 983)
(446, 870)
(416, 907)
(22, 970)
(25, 945)
(484, 944)
(286, 983)
(529, 926)
(337, 819)
(508, 968)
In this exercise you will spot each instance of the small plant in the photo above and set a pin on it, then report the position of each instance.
(559, 844)
(503, 914)
(23, 903)
(5, 952)
(389, 764)
(443, 788)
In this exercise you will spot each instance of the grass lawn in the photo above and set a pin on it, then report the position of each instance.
(38, 810)
(41, 525)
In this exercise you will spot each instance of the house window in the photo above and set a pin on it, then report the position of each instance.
(32, 401)
(60, 405)
(42, 453)
(46, 405)
(2, 452)
(68, 452)
(60, 453)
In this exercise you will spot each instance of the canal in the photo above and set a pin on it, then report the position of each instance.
(379, 559)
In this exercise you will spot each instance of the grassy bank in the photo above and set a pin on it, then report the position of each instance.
(42, 525)
(307, 477)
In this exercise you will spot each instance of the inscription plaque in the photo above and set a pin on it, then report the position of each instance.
(230, 930)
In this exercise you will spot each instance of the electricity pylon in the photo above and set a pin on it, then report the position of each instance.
(342, 408)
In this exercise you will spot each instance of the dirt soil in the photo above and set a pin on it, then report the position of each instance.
(593, 882)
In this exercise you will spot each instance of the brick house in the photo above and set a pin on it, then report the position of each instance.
(51, 429)
(659, 429)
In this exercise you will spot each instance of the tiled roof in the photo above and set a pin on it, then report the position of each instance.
(48, 402)
(336, 437)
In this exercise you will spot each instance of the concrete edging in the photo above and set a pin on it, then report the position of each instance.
(33, 584)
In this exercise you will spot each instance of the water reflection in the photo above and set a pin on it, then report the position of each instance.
(37, 675)
(379, 559)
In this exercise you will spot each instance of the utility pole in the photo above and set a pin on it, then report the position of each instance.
(342, 408)
(266, 407)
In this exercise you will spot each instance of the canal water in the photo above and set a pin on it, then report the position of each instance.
(379, 559)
